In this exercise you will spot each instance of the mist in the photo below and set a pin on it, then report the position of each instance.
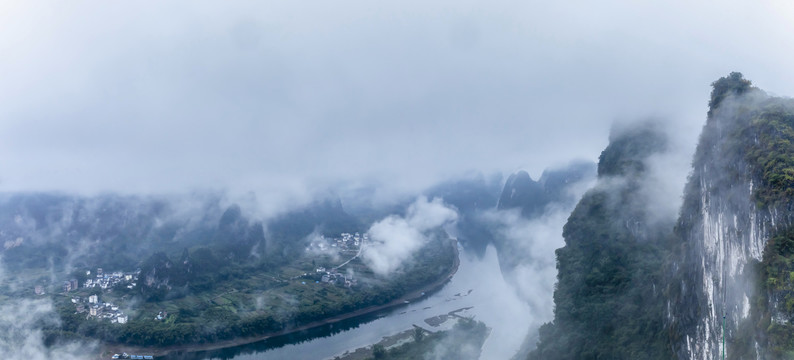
(23, 323)
(283, 99)
(531, 243)
(271, 105)
(395, 238)
(665, 171)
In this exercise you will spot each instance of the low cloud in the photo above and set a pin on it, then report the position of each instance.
(454, 346)
(529, 244)
(319, 247)
(395, 238)
(22, 323)
(665, 170)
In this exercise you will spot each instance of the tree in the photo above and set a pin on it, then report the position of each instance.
(378, 351)
(419, 334)
(733, 84)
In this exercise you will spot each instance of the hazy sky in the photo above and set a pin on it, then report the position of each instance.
(283, 96)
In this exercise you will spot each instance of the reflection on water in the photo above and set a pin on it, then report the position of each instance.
(493, 302)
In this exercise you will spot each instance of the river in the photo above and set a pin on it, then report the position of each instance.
(478, 284)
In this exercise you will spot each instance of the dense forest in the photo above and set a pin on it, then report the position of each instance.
(608, 302)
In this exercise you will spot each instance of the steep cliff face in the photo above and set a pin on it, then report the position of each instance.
(728, 269)
(735, 200)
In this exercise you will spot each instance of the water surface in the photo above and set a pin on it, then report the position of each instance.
(478, 284)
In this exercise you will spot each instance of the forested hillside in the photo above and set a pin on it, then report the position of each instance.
(608, 302)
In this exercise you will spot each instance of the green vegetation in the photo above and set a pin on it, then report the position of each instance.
(764, 136)
(463, 342)
(61, 232)
(756, 130)
(771, 153)
(748, 140)
(628, 148)
(732, 85)
(229, 300)
(213, 274)
(617, 271)
(776, 283)
(608, 300)
(773, 301)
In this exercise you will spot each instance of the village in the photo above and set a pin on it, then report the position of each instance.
(92, 304)
(100, 310)
(334, 277)
(94, 307)
(346, 242)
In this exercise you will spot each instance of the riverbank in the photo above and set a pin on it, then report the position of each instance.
(450, 336)
(418, 294)
(392, 341)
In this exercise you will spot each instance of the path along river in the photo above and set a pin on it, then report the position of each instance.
(478, 284)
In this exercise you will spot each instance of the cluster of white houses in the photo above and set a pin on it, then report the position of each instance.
(349, 241)
(105, 280)
(101, 280)
(92, 305)
(345, 241)
(100, 310)
(336, 278)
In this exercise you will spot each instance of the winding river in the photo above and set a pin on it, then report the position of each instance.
(478, 284)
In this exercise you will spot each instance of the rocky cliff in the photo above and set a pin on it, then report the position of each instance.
(737, 199)
(722, 273)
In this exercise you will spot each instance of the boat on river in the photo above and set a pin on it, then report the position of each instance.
(134, 357)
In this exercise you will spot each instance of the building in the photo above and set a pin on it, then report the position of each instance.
(93, 311)
(39, 290)
(67, 286)
(93, 299)
(122, 319)
(73, 284)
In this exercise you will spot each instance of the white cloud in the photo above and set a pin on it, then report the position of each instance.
(528, 246)
(395, 238)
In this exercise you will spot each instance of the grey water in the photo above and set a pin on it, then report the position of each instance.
(478, 284)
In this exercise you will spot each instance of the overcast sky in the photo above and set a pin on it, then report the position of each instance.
(281, 97)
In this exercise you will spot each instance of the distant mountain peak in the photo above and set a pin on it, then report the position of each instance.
(531, 196)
